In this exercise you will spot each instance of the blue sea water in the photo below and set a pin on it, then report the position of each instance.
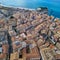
(52, 5)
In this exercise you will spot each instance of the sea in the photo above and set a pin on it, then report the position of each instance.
(52, 5)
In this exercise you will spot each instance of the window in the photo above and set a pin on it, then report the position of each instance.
(27, 49)
(20, 55)
(0, 49)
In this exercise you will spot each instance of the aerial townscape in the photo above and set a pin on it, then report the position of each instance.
(28, 35)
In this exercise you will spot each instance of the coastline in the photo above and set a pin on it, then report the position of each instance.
(4, 6)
